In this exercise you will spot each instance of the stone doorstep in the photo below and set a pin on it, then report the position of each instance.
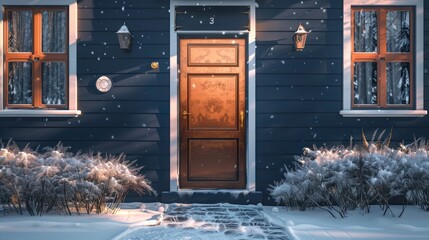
(243, 198)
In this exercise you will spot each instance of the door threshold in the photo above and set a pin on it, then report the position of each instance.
(213, 191)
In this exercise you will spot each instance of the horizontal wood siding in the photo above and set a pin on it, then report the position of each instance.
(133, 117)
(299, 94)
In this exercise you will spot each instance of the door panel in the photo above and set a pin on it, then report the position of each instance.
(212, 113)
(215, 55)
(207, 164)
(212, 100)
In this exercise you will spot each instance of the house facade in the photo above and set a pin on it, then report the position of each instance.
(212, 97)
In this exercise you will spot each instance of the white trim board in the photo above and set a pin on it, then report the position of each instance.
(251, 94)
(72, 101)
(419, 66)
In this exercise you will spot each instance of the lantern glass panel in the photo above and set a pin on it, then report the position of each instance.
(300, 39)
(124, 40)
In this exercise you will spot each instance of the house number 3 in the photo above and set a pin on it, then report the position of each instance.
(212, 20)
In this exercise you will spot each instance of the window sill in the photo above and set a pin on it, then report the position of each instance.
(383, 113)
(39, 113)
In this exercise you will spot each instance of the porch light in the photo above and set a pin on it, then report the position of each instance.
(300, 37)
(124, 37)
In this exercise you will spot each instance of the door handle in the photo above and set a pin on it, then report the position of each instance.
(242, 119)
(185, 114)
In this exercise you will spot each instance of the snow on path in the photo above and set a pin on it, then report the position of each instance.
(207, 222)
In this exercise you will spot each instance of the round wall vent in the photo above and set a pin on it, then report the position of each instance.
(103, 84)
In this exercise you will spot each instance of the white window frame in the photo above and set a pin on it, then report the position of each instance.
(72, 110)
(419, 56)
(251, 94)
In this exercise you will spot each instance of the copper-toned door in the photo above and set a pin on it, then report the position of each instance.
(212, 113)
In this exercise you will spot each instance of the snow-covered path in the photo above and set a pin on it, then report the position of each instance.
(137, 221)
(207, 222)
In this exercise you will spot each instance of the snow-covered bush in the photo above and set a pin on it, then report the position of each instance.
(59, 181)
(345, 178)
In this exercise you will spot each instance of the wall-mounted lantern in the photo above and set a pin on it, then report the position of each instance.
(124, 37)
(300, 37)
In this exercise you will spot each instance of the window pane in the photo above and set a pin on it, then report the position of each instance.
(53, 83)
(365, 31)
(54, 31)
(20, 83)
(398, 31)
(398, 83)
(20, 27)
(365, 83)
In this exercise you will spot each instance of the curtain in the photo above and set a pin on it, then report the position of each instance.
(53, 84)
(53, 41)
(398, 83)
(54, 31)
(20, 39)
(398, 73)
(398, 31)
(20, 27)
(365, 83)
(365, 31)
(365, 73)
(19, 83)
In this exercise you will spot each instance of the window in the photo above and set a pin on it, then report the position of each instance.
(381, 75)
(39, 59)
(36, 57)
(382, 57)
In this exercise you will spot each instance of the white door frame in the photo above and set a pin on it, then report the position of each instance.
(251, 91)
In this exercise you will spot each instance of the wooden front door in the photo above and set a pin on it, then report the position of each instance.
(212, 113)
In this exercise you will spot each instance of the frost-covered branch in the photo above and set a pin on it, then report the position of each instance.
(61, 181)
(345, 178)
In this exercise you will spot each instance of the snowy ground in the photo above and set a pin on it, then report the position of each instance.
(82, 227)
(318, 224)
(203, 222)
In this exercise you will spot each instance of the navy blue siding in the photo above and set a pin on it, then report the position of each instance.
(299, 94)
(134, 116)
